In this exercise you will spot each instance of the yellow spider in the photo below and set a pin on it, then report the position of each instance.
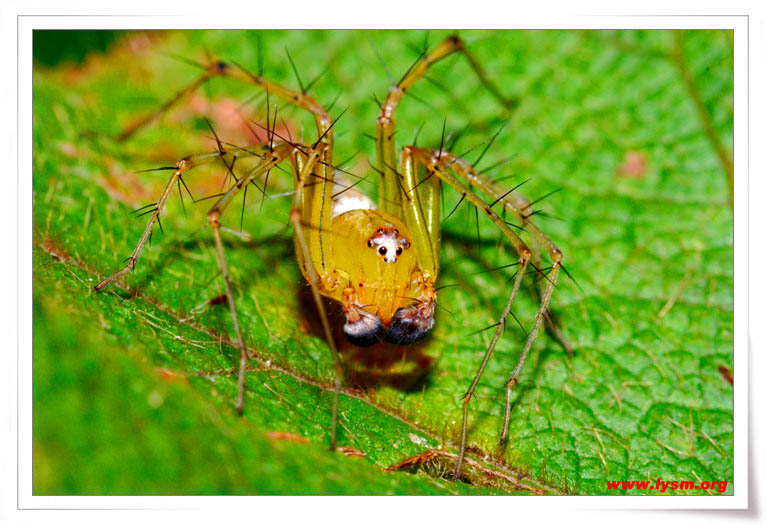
(381, 263)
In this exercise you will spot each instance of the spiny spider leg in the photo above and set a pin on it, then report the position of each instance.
(181, 167)
(520, 208)
(303, 172)
(277, 155)
(237, 72)
(441, 164)
(530, 339)
(550, 318)
(390, 200)
(305, 159)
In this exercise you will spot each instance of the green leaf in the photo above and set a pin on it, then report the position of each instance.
(134, 388)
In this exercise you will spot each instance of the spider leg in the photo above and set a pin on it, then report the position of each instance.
(551, 321)
(421, 211)
(181, 167)
(277, 155)
(521, 209)
(530, 339)
(314, 262)
(313, 254)
(237, 72)
(390, 194)
(438, 164)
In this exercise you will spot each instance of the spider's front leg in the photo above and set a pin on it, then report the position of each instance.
(390, 196)
(270, 160)
(313, 200)
(520, 208)
(225, 154)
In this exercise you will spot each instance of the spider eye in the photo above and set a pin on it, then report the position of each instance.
(369, 244)
(399, 250)
(382, 250)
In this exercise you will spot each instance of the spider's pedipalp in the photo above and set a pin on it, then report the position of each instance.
(411, 324)
(365, 329)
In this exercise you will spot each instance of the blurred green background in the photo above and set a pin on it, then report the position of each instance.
(134, 388)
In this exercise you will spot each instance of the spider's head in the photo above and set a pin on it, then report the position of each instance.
(384, 293)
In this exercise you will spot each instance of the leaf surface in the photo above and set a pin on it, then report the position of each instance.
(134, 387)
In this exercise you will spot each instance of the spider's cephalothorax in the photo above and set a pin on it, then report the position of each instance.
(385, 293)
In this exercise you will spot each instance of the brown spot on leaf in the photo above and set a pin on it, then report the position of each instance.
(286, 436)
(220, 299)
(726, 373)
(634, 165)
(348, 451)
(169, 375)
